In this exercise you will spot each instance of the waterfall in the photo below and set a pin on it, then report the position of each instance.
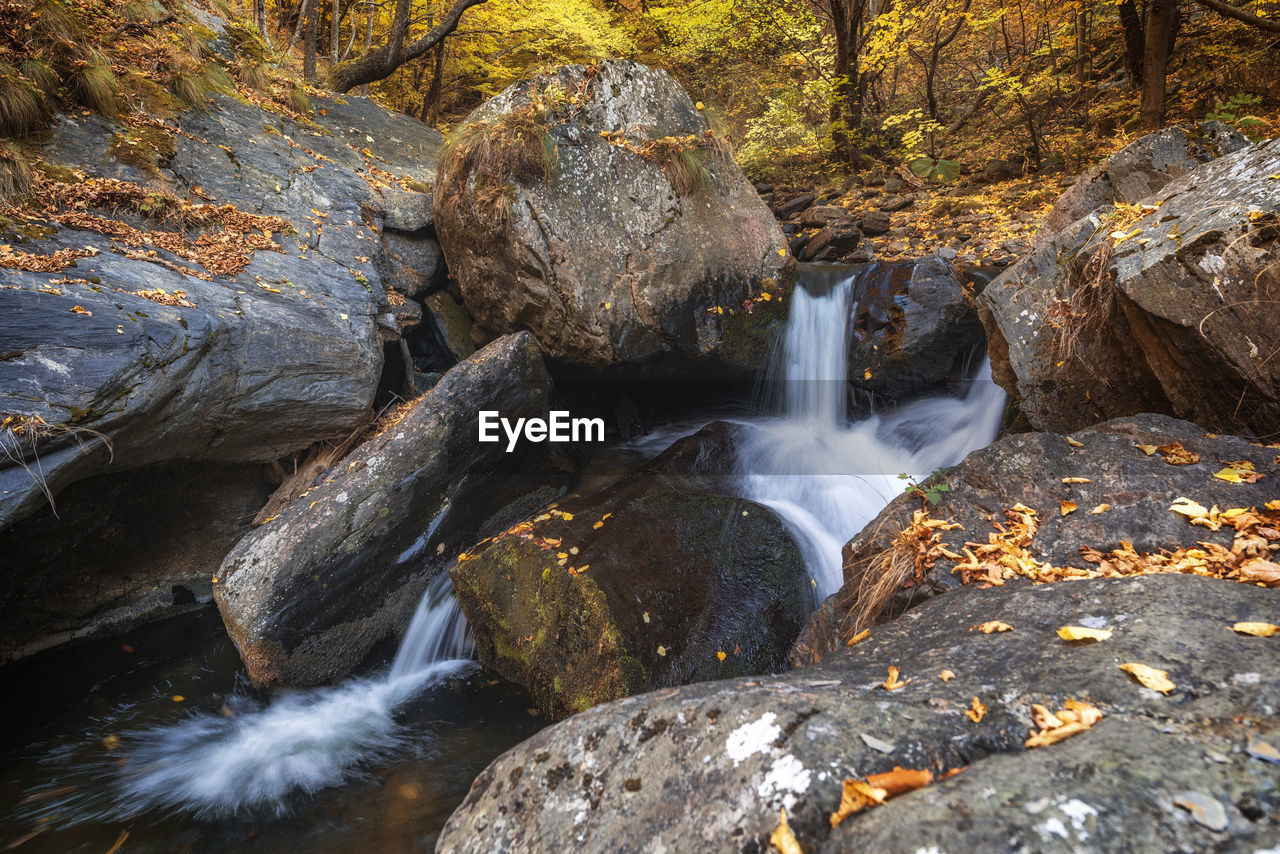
(824, 476)
(256, 755)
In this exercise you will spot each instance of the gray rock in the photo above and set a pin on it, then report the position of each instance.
(876, 222)
(894, 203)
(831, 243)
(1168, 319)
(306, 597)
(819, 216)
(614, 260)
(795, 205)
(452, 324)
(707, 767)
(1028, 469)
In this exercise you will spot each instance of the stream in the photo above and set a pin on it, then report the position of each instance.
(155, 741)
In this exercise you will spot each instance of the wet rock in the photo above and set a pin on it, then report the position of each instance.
(831, 243)
(263, 362)
(707, 767)
(659, 579)
(1165, 315)
(914, 327)
(795, 205)
(1135, 490)
(308, 596)
(615, 260)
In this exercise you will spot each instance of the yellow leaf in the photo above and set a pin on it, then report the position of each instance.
(597, 526)
(782, 252)
(992, 627)
(859, 637)
(1076, 480)
(766, 296)
(1053, 736)
(893, 683)
(866, 375)
(856, 796)
(975, 711)
(1229, 475)
(1274, 177)
(178, 698)
(1187, 507)
(1068, 507)
(1146, 449)
(608, 306)
(1080, 633)
(946, 676)
(1101, 508)
(1073, 443)
(1258, 630)
(1156, 680)
(721, 655)
(783, 839)
(111, 742)
(662, 650)
(900, 780)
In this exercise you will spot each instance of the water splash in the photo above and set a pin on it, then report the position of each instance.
(825, 477)
(259, 755)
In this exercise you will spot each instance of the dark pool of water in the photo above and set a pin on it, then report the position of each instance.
(70, 717)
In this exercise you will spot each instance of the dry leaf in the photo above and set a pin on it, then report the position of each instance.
(1073, 443)
(721, 655)
(1146, 449)
(975, 711)
(893, 683)
(1068, 507)
(859, 637)
(992, 626)
(856, 796)
(1101, 508)
(1053, 736)
(1258, 630)
(1080, 633)
(1188, 508)
(1261, 570)
(1076, 718)
(1176, 455)
(900, 780)
(946, 676)
(783, 839)
(1076, 480)
(1044, 718)
(1150, 677)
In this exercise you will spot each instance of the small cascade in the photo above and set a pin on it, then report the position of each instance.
(258, 755)
(825, 476)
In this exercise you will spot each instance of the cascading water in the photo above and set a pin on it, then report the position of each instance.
(825, 477)
(301, 741)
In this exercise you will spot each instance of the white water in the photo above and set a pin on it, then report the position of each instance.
(827, 478)
(302, 741)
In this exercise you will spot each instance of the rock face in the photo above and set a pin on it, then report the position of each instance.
(914, 326)
(1171, 312)
(609, 250)
(641, 585)
(707, 767)
(307, 596)
(259, 362)
(1028, 469)
(1139, 170)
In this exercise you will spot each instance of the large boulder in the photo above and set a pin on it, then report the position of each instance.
(262, 354)
(656, 580)
(308, 596)
(1166, 308)
(595, 207)
(913, 326)
(1011, 494)
(1138, 170)
(708, 767)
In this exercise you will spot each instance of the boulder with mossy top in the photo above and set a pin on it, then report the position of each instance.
(313, 592)
(1162, 303)
(597, 207)
(659, 579)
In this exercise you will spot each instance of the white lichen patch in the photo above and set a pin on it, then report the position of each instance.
(752, 738)
(1078, 811)
(786, 781)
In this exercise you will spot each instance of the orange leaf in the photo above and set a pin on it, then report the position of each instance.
(900, 780)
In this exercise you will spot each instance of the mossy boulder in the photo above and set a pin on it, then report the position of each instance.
(641, 585)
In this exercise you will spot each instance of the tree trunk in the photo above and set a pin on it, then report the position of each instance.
(382, 63)
(309, 43)
(368, 36)
(334, 35)
(431, 108)
(1133, 42)
(1161, 30)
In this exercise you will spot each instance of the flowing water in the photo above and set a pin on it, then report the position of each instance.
(156, 740)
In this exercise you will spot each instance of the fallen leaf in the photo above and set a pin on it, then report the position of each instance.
(1073, 443)
(856, 796)
(1150, 677)
(866, 375)
(859, 637)
(1176, 455)
(1068, 507)
(900, 780)
(975, 711)
(721, 655)
(1080, 633)
(946, 676)
(782, 838)
(1262, 571)
(1188, 508)
(893, 683)
(1146, 449)
(178, 698)
(878, 743)
(662, 650)
(1229, 475)
(1101, 508)
(1076, 480)
(1258, 630)
(992, 627)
